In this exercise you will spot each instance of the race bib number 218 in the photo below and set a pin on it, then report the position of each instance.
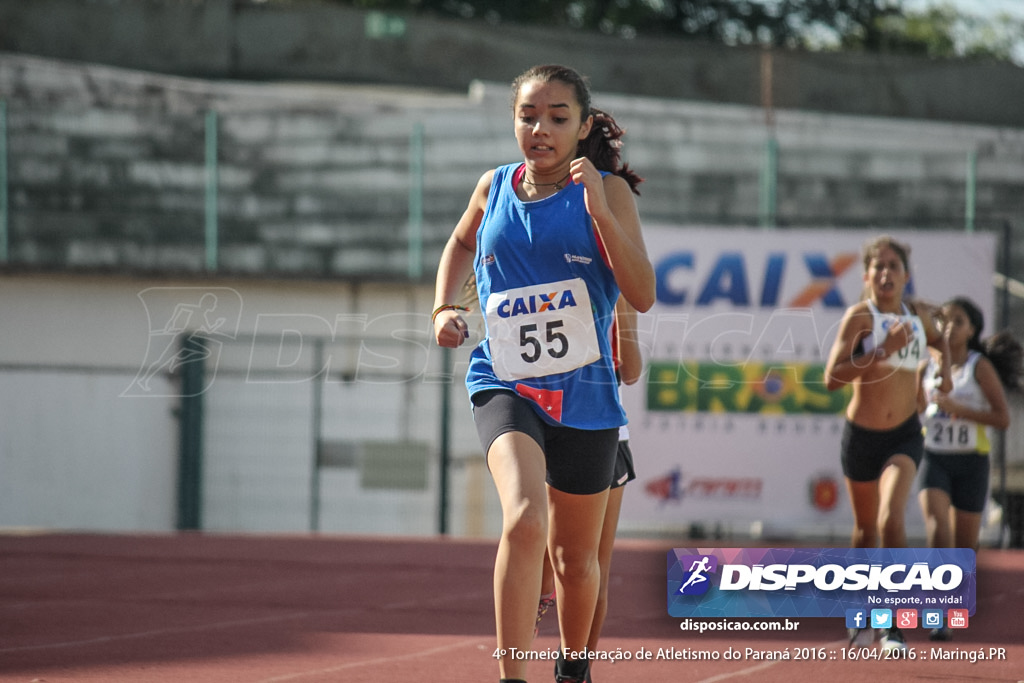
(541, 330)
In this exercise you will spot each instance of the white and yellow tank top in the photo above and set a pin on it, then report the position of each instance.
(945, 433)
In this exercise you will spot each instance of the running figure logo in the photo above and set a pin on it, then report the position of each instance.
(186, 324)
(699, 566)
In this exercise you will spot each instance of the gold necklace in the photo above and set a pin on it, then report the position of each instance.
(557, 185)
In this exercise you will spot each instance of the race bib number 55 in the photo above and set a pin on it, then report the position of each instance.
(541, 330)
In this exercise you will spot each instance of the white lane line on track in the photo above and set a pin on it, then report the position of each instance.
(409, 604)
(759, 667)
(157, 632)
(1001, 598)
(372, 662)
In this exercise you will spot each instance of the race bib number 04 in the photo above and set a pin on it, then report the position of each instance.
(541, 330)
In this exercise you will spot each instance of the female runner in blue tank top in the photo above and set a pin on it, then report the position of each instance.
(881, 342)
(553, 241)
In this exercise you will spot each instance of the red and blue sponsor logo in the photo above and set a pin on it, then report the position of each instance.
(536, 303)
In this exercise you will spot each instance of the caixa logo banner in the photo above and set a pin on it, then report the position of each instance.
(817, 582)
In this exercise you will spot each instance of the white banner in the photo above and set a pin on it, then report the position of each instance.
(731, 426)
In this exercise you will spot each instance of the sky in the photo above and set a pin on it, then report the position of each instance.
(983, 8)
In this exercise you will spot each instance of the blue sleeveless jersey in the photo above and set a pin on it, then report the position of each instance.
(548, 300)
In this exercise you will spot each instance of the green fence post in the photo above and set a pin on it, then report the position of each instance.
(190, 456)
(769, 183)
(3, 182)
(970, 190)
(415, 236)
(211, 190)
(446, 439)
(317, 428)
(1005, 244)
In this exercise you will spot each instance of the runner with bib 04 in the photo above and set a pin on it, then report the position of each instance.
(881, 342)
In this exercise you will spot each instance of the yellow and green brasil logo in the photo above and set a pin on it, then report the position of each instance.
(772, 388)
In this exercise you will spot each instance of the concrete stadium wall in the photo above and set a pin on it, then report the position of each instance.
(107, 183)
(316, 40)
(106, 170)
(85, 448)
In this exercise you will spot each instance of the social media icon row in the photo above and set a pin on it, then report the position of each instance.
(905, 618)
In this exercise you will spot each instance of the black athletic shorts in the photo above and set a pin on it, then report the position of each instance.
(579, 461)
(865, 451)
(964, 476)
(624, 472)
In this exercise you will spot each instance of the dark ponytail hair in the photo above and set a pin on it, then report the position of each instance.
(1002, 349)
(1007, 356)
(603, 145)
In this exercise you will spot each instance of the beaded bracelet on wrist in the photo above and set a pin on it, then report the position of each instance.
(446, 307)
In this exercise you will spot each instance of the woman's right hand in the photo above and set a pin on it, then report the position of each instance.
(450, 329)
(899, 336)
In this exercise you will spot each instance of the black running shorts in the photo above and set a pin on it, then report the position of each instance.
(579, 461)
(964, 476)
(624, 472)
(865, 451)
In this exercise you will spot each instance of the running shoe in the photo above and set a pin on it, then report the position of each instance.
(546, 602)
(944, 634)
(562, 678)
(861, 637)
(892, 639)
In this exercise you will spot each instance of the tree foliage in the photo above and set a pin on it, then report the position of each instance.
(869, 25)
(942, 31)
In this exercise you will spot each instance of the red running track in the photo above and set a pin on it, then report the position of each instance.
(206, 608)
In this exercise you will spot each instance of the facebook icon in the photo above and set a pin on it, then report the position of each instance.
(856, 618)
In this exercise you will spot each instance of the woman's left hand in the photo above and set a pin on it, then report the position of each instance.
(583, 171)
(946, 403)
